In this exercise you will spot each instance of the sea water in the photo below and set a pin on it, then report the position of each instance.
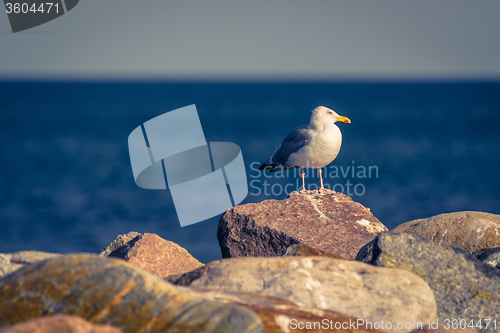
(413, 150)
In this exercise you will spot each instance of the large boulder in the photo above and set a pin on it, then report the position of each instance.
(152, 253)
(282, 316)
(330, 223)
(464, 288)
(470, 231)
(112, 291)
(59, 324)
(349, 287)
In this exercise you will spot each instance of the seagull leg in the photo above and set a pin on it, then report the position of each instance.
(323, 190)
(304, 191)
(303, 181)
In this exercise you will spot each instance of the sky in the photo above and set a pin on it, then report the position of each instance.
(259, 40)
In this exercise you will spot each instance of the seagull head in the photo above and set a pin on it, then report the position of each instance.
(322, 114)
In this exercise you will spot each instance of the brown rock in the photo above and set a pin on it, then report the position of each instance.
(470, 231)
(156, 255)
(279, 315)
(119, 241)
(59, 324)
(301, 250)
(330, 223)
(112, 291)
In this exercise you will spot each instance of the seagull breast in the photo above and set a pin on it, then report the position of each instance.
(322, 149)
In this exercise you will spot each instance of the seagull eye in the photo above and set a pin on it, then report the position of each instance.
(329, 112)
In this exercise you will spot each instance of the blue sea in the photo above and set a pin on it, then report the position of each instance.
(416, 149)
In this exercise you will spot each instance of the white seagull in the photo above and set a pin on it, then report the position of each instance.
(310, 146)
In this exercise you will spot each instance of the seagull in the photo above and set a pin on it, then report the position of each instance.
(310, 146)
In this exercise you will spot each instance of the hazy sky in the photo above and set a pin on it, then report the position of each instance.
(286, 39)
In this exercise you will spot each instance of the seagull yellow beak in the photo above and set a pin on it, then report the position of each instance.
(344, 119)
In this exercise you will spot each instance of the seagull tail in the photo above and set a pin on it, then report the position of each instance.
(274, 167)
(267, 167)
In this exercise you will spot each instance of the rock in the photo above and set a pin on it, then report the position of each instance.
(489, 256)
(279, 315)
(61, 324)
(493, 260)
(186, 278)
(485, 253)
(119, 241)
(441, 329)
(470, 231)
(154, 254)
(31, 257)
(11, 262)
(464, 288)
(307, 251)
(330, 223)
(111, 291)
(7, 268)
(349, 287)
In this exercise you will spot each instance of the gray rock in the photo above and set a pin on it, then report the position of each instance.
(493, 260)
(342, 286)
(484, 253)
(7, 268)
(464, 288)
(11, 262)
(278, 315)
(489, 256)
(31, 257)
(4, 259)
(470, 231)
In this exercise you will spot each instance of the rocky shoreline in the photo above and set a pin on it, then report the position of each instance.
(318, 263)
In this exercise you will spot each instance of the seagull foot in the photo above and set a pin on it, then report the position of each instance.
(306, 192)
(326, 191)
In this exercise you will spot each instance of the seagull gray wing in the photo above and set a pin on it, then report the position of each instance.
(294, 140)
